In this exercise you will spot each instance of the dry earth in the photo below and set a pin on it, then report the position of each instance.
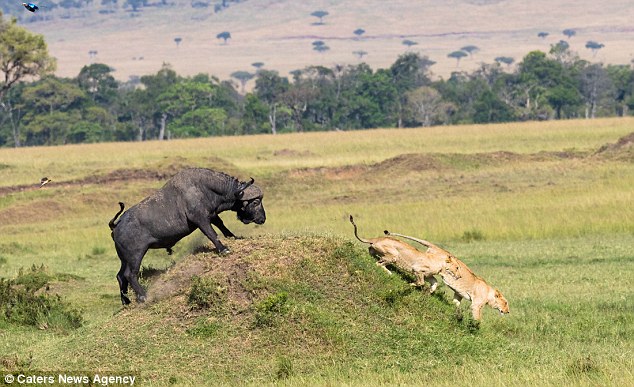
(279, 33)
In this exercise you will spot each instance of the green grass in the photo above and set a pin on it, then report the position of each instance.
(299, 301)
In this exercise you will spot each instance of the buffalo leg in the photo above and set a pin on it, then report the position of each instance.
(123, 284)
(216, 221)
(212, 236)
(131, 273)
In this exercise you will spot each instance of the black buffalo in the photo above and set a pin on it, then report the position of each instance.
(190, 200)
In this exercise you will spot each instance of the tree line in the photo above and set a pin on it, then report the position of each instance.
(95, 107)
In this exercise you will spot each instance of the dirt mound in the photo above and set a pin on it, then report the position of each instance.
(292, 153)
(623, 149)
(413, 162)
(161, 171)
(33, 212)
(329, 173)
(409, 161)
(235, 272)
(230, 270)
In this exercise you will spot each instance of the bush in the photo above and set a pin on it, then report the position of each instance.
(472, 235)
(284, 368)
(207, 293)
(267, 311)
(204, 329)
(23, 303)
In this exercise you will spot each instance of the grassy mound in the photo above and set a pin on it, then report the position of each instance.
(282, 307)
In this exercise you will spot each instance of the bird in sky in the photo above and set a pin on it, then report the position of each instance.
(31, 7)
(44, 181)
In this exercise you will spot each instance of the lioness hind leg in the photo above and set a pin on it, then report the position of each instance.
(456, 299)
(433, 282)
(382, 265)
(420, 280)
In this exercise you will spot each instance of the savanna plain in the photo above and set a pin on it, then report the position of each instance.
(543, 211)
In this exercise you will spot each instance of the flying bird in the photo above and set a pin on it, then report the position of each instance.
(44, 181)
(31, 7)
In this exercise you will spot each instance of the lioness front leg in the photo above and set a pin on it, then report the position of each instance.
(476, 310)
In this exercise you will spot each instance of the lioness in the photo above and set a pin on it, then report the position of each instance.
(468, 285)
(406, 258)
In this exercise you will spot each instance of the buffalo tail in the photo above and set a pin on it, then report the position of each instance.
(112, 221)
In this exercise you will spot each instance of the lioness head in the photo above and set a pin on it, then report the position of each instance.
(500, 303)
(452, 267)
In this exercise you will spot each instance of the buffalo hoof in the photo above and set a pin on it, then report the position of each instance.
(224, 251)
(124, 299)
(141, 298)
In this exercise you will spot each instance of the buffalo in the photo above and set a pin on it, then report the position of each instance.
(192, 199)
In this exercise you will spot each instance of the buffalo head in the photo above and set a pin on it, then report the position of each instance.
(250, 208)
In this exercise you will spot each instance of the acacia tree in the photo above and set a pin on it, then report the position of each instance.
(409, 43)
(22, 55)
(507, 60)
(569, 32)
(594, 47)
(360, 53)
(470, 49)
(359, 32)
(457, 55)
(243, 77)
(225, 35)
(321, 15)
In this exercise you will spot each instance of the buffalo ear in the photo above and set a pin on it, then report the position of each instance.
(242, 186)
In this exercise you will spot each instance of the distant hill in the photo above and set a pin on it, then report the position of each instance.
(280, 33)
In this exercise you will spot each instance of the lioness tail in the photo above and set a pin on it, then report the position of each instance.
(421, 241)
(355, 231)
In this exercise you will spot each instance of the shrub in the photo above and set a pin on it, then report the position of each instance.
(207, 293)
(98, 250)
(472, 235)
(267, 311)
(584, 366)
(284, 368)
(23, 303)
(204, 329)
